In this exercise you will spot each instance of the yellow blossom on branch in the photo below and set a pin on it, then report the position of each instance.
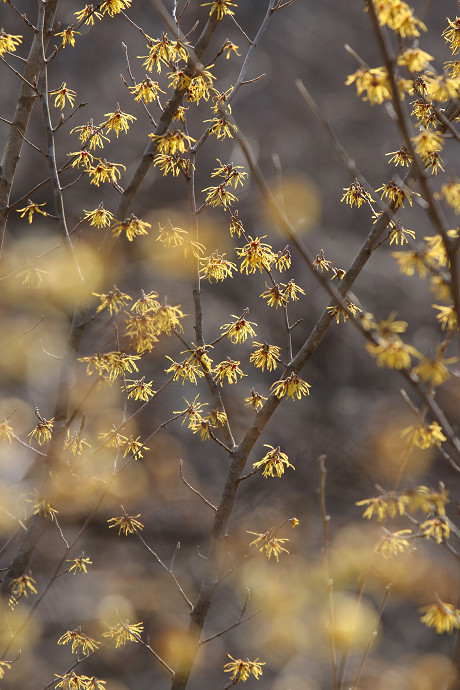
(147, 90)
(68, 36)
(105, 172)
(256, 255)
(125, 632)
(79, 564)
(291, 387)
(228, 369)
(273, 462)
(30, 209)
(355, 194)
(424, 435)
(62, 94)
(118, 121)
(132, 226)
(387, 505)
(390, 190)
(8, 42)
(393, 543)
(113, 301)
(374, 82)
(172, 141)
(216, 266)
(87, 15)
(99, 217)
(444, 618)
(23, 586)
(127, 524)
(254, 400)
(6, 431)
(79, 641)
(242, 670)
(75, 443)
(268, 544)
(220, 7)
(239, 330)
(436, 528)
(265, 356)
(434, 369)
(112, 7)
(140, 389)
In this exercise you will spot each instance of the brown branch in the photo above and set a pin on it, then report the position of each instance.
(197, 493)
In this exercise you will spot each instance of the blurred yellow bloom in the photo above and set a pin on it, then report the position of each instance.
(442, 617)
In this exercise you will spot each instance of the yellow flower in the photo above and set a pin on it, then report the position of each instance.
(79, 640)
(43, 431)
(68, 36)
(219, 196)
(292, 387)
(427, 142)
(132, 226)
(424, 113)
(256, 255)
(236, 226)
(393, 543)
(453, 67)
(83, 157)
(8, 42)
(437, 528)
(231, 173)
(142, 332)
(221, 127)
(392, 353)
(434, 369)
(125, 632)
(117, 121)
(62, 94)
(374, 82)
(398, 234)
(99, 217)
(273, 462)
(239, 330)
(41, 506)
(30, 209)
(392, 191)
(254, 400)
(229, 48)
(4, 666)
(283, 260)
(171, 236)
(172, 163)
(424, 436)
(265, 356)
(442, 617)
(132, 446)
(139, 389)
(92, 134)
(23, 586)
(387, 505)
(426, 499)
(356, 194)
(114, 6)
(441, 87)
(228, 369)
(172, 141)
(452, 35)
(220, 7)
(400, 157)
(216, 266)
(6, 431)
(87, 15)
(105, 172)
(127, 524)
(338, 311)
(241, 670)
(79, 564)
(163, 52)
(146, 90)
(269, 544)
(414, 59)
(75, 443)
(113, 300)
(321, 262)
(447, 316)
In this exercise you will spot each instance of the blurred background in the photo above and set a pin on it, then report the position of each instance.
(354, 415)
